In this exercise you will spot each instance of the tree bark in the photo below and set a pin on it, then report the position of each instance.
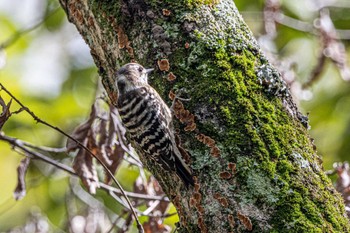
(255, 165)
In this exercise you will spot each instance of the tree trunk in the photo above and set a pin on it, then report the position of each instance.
(256, 167)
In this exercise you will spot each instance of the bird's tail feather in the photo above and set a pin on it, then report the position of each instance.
(184, 173)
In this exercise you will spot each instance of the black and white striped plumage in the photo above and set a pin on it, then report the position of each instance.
(148, 120)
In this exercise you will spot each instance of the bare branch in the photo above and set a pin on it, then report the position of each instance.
(19, 144)
(45, 148)
(38, 120)
(299, 25)
(20, 190)
(144, 213)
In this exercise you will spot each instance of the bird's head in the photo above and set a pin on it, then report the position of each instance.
(131, 76)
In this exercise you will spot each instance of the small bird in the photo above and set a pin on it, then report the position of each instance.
(148, 120)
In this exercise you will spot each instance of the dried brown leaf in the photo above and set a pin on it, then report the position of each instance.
(84, 167)
(81, 132)
(108, 146)
(5, 115)
(116, 157)
(156, 226)
(20, 190)
(94, 146)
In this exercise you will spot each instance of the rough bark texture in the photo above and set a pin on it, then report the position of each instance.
(256, 167)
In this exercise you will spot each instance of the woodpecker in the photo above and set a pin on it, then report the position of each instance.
(148, 120)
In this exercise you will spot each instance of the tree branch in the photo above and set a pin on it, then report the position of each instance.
(19, 144)
(38, 120)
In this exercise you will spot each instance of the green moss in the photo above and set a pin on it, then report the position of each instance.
(181, 4)
(255, 125)
(285, 169)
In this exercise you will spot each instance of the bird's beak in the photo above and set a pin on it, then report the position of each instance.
(149, 70)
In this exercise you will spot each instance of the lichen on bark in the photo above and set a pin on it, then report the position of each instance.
(256, 168)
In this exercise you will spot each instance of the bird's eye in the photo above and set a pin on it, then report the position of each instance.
(140, 69)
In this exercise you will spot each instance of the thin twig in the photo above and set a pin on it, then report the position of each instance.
(45, 148)
(151, 208)
(143, 213)
(285, 20)
(18, 144)
(38, 120)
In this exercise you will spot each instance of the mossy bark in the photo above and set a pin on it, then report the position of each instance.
(249, 147)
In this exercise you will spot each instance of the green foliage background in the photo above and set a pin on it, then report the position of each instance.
(328, 108)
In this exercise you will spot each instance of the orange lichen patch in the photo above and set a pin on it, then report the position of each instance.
(193, 202)
(206, 140)
(166, 12)
(187, 118)
(245, 221)
(184, 116)
(191, 127)
(209, 141)
(123, 40)
(225, 175)
(177, 202)
(113, 22)
(79, 17)
(197, 196)
(199, 137)
(200, 209)
(178, 105)
(232, 167)
(164, 65)
(215, 152)
(231, 220)
(91, 22)
(187, 45)
(217, 195)
(196, 187)
(130, 50)
(202, 225)
(172, 95)
(171, 76)
(223, 201)
(72, 6)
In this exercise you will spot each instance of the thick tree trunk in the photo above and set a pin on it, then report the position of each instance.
(249, 148)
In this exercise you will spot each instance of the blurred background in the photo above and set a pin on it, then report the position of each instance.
(45, 63)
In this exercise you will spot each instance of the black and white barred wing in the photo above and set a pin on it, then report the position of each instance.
(145, 119)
